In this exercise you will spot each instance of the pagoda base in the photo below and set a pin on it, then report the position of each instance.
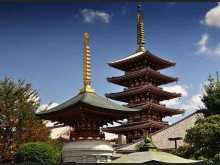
(87, 151)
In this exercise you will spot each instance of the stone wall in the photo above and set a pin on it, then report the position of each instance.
(160, 138)
(178, 129)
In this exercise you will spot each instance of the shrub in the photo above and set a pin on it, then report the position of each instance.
(37, 152)
(184, 152)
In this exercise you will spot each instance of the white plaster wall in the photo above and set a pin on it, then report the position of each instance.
(87, 151)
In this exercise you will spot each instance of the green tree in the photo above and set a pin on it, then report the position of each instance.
(37, 152)
(184, 152)
(211, 96)
(56, 144)
(203, 138)
(204, 141)
(18, 123)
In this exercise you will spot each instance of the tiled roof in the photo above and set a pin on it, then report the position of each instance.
(138, 73)
(143, 89)
(140, 55)
(128, 57)
(90, 99)
(136, 54)
(152, 157)
(133, 125)
(158, 107)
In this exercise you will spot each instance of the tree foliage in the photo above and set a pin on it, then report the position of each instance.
(18, 124)
(211, 96)
(204, 136)
(56, 144)
(37, 152)
(184, 151)
(204, 140)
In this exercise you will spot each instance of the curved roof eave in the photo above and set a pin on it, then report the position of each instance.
(139, 54)
(89, 99)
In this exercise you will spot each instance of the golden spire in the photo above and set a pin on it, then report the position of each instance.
(140, 31)
(86, 66)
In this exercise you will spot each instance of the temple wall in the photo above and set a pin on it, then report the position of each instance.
(160, 138)
(178, 129)
(86, 157)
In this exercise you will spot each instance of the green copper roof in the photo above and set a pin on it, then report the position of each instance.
(149, 154)
(152, 156)
(92, 100)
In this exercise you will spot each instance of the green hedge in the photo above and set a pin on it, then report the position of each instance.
(37, 152)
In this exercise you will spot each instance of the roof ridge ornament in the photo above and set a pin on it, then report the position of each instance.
(148, 144)
(86, 66)
(140, 31)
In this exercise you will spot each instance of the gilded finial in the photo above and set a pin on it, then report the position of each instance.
(140, 31)
(86, 66)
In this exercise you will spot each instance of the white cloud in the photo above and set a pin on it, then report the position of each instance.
(203, 49)
(202, 43)
(217, 49)
(212, 17)
(47, 106)
(190, 106)
(171, 119)
(193, 103)
(172, 102)
(177, 89)
(90, 16)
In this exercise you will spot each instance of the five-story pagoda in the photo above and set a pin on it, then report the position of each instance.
(141, 81)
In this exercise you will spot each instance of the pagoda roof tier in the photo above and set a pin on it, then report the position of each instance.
(140, 56)
(157, 108)
(163, 79)
(134, 126)
(146, 89)
(86, 102)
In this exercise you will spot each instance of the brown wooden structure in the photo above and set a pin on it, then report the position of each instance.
(87, 111)
(141, 83)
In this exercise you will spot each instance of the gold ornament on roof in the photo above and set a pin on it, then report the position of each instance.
(86, 66)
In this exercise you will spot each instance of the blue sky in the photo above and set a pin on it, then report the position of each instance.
(43, 44)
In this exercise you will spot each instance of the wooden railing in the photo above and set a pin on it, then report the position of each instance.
(86, 135)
